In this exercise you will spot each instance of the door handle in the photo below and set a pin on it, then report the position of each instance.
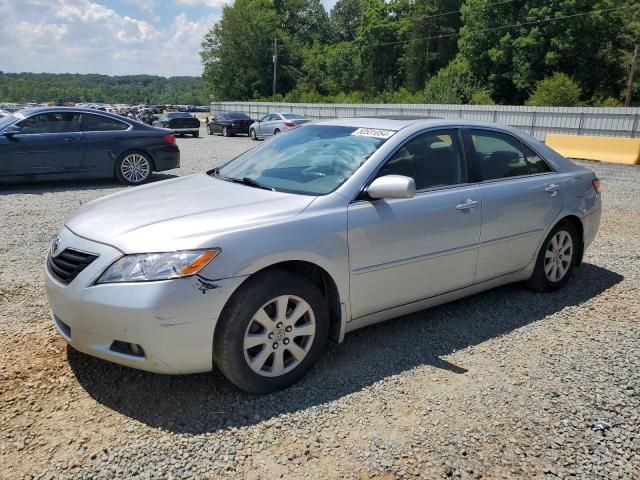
(467, 204)
(552, 188)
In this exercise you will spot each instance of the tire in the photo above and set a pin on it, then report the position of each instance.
(276, 131)
(258, 298)
(196, 134)
(133, 168)
(209, 131)
(225, 132)
(252, 134)
(556, 261)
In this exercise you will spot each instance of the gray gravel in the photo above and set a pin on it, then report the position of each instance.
(505, 384)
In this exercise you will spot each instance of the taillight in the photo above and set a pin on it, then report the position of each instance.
(170, 138)
(596, 185)
(289, 124)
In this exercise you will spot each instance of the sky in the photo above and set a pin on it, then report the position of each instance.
(112, 37)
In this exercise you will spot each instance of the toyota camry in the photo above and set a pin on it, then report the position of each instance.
(319, 231)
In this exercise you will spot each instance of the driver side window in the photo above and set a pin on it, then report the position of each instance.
(433, 159)
(53, 122)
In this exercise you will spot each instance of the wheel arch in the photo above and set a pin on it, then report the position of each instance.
(577, 224)
(322, 279)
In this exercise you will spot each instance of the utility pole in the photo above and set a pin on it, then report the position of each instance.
(275, 66)
(627, 101)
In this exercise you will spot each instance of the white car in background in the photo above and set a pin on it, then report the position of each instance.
(274, 123)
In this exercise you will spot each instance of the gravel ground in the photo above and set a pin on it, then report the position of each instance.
(505, 384)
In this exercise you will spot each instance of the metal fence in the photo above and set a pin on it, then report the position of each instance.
(536, 121)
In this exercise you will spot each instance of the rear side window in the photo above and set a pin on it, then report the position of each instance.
(433, 159)
(498, 155)
(51, 122)
(98, 123)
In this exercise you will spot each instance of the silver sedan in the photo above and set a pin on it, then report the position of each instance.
(325, 229)
(274, 123)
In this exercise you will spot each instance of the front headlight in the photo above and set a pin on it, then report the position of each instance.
(146, 267)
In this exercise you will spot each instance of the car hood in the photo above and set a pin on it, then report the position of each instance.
(182, 213)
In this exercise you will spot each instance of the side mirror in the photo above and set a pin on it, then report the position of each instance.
(392, 186)
(12, 130)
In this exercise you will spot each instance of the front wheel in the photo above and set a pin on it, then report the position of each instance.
(556, 259)
(276, 131)
(252, 134)
(271, 332)
(133, 168)
(196, 134)
(225, 132)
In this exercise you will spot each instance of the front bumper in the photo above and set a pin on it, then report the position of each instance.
(172, 321)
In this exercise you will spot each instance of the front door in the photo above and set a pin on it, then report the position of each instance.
(521, 196)
(405, 250)
(48, 143)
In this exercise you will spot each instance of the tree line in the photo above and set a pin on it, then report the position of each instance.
(129, 89)
(538, 52)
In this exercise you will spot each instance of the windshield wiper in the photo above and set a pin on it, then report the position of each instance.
(250, 182)
(244, 180)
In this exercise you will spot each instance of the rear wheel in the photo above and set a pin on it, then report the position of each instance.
(252, 134)
(271, 332)
(209, 131)
(196, 134)
(276, 131)
(133, 168)
(556, 259)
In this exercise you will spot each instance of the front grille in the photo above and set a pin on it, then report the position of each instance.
(66, 266)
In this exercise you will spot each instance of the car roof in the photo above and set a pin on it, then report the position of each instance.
(35, 110)
(397, 123)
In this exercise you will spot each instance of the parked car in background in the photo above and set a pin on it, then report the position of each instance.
(274, 123)
(179, 123)
(64, 143)
(322, 230)
(230, 123)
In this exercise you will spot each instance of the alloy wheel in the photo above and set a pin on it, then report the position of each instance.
(279, 336)
(135, 168)
(558, 255)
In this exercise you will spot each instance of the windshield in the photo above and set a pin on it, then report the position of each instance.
(293, 116)
(6, 121)
(312, 160)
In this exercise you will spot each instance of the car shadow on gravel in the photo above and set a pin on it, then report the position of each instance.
(48, 186)
(208, 402)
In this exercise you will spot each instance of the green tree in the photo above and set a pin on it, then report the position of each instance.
(556, 91)
(431, 43)
(235, 52)
(510, 46)
(453, 84)
(345, 18)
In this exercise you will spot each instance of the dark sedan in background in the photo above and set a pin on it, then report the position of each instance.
(179, 123)
(230, 123)
(65, 143)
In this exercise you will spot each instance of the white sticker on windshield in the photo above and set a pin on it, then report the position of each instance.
(373, 132)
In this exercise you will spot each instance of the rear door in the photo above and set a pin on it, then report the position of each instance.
(266, 126)
(103, 136)
(49, 143)
(521, 196)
